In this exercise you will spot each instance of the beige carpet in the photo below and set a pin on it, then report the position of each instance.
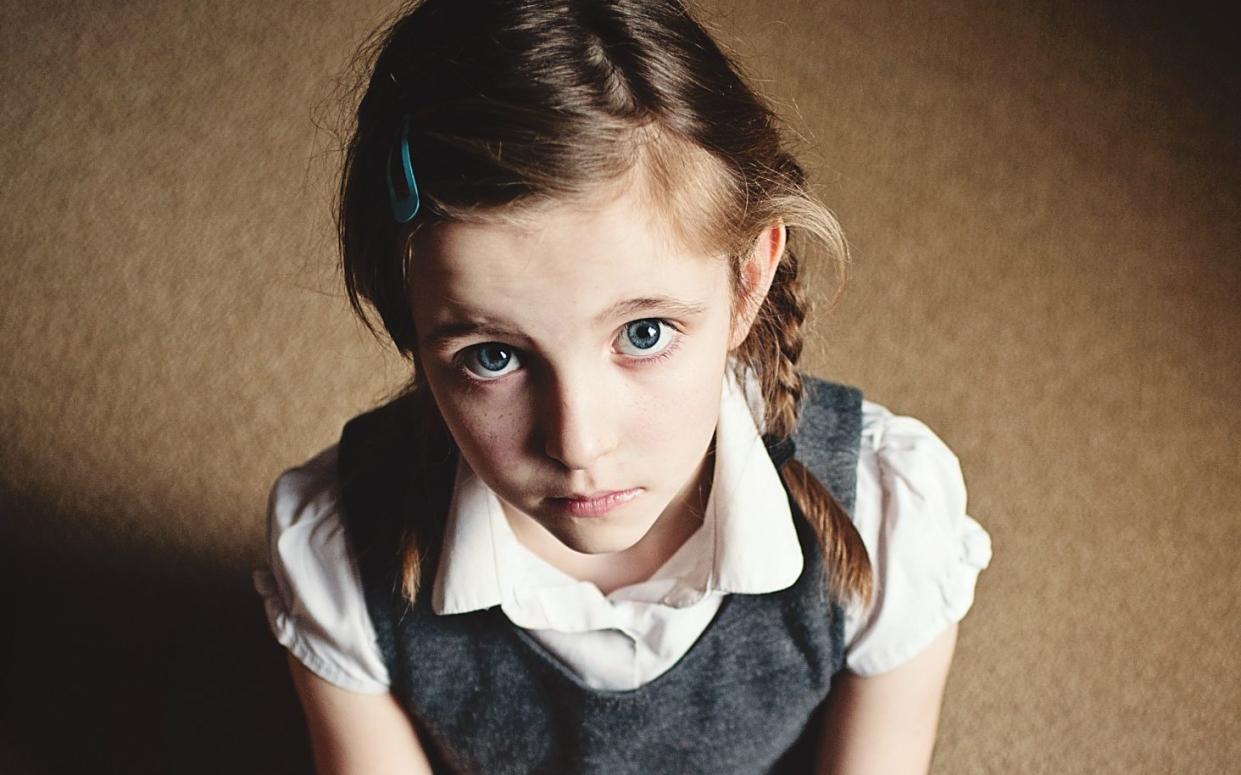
(1044, 206)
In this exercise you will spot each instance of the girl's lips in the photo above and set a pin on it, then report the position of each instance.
(597, 505)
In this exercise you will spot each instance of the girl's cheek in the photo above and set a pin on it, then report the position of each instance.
(490, 426)
(687, 398)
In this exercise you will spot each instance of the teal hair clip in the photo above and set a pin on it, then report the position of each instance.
(402, 188)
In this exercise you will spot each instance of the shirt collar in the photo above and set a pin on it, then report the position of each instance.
(747, 543)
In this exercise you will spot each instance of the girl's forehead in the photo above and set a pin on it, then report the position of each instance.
(565, 238)
(575, 260)
(618, 213)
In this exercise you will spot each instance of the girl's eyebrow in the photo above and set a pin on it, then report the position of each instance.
(444, 334)
(664, 305)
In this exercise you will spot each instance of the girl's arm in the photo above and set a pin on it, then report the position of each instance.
(887, 723)
(356, 733)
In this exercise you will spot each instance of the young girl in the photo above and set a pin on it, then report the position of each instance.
(607, 527)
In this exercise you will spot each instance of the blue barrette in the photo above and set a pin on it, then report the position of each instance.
(402, 188)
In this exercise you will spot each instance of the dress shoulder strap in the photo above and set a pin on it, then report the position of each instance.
(828, 436)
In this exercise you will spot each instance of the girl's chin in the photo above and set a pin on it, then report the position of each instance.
(590, 537)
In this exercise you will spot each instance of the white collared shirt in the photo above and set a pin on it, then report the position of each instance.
(926, 553)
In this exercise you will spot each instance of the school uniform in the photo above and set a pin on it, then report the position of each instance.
(717, 663)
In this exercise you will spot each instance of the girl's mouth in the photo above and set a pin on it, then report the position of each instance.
(596, 504)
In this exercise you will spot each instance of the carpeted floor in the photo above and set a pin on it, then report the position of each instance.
(1044, 204)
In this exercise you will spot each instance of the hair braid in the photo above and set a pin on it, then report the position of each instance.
(786, 309)
(422, 537)
(847, 571)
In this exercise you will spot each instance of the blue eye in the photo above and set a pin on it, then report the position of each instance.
(491, 360)
(644, 337)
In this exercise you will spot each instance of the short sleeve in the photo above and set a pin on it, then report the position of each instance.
(925, 551)
(312, 591)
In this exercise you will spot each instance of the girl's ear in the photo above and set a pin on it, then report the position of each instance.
(758, 269)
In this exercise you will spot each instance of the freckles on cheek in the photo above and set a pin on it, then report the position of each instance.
(488, 432)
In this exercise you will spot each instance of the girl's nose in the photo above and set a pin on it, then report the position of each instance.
(578, 427)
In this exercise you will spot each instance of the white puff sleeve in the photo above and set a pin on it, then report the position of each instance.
(312, 591)
(925, 551)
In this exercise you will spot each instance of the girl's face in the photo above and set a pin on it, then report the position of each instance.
(578, 364)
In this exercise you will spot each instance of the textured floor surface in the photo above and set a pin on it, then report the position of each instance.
(1044, 204)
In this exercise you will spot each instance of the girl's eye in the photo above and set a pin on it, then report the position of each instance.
(491, 360)
(644, 338)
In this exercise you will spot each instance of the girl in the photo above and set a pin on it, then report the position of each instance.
(607, 527)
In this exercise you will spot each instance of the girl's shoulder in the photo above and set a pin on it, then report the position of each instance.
(311, 588)
(925, 550)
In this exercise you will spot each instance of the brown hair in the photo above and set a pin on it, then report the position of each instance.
(516, 104)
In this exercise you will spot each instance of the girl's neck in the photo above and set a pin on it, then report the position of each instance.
(639, 562)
